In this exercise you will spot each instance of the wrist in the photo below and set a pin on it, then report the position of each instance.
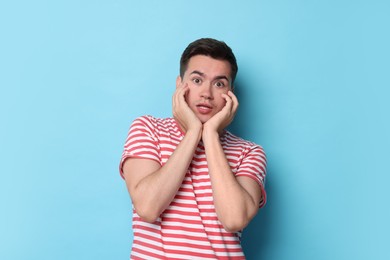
(195, 132)
(188, 126)
(209, 132)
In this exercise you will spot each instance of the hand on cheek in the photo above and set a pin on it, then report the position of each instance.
(182, 112)
(224, 117)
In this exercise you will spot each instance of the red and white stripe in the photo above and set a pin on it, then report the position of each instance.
(189, 227)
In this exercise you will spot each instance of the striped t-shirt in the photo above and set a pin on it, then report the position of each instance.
(189, 227)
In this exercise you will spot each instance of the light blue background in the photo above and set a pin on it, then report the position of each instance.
(313, 86)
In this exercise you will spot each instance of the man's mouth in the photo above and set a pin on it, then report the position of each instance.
(204, 105)
(204, 108)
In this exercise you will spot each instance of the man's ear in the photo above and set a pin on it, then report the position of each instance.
(178, 81)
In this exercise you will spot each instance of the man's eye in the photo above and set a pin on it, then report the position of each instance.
(196, 81)
(219, 84)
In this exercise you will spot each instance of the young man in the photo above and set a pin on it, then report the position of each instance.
(194, 186)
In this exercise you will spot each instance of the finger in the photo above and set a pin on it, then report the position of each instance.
(234, 99)
(182, 85)
(179, 82)
(180, 102)
(182, 92)
(179, 91)
(177, 96)
(229, 102)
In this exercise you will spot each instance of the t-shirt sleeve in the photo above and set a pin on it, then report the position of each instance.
(254, 165)
(141, 142)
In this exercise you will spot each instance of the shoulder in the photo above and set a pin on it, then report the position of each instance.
(231, 140)
(155, 123)
(151, 120)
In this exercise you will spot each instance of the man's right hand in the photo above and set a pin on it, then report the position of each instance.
(182, 112)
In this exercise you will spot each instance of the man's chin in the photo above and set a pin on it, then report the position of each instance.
(203, 119)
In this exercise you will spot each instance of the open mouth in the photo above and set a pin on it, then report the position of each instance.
(204, 108)
(203, 105)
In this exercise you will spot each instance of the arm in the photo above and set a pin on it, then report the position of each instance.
(152, 187)
(236, 200)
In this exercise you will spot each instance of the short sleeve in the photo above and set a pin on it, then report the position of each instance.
(141, 142)
(253, 165)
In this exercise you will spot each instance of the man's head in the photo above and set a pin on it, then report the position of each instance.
(208, 67)
(209, 47)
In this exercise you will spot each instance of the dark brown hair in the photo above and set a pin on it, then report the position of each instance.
(209, 47)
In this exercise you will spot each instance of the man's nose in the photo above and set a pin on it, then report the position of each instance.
(206, 91)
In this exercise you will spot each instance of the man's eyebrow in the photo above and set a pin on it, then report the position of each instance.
(198, 72)
(221, 77)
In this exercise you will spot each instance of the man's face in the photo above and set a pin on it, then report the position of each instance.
(207, 79)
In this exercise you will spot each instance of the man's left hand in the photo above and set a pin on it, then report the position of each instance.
(224, 117)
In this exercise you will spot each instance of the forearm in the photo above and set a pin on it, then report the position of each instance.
(153, 193)
(234, 206)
